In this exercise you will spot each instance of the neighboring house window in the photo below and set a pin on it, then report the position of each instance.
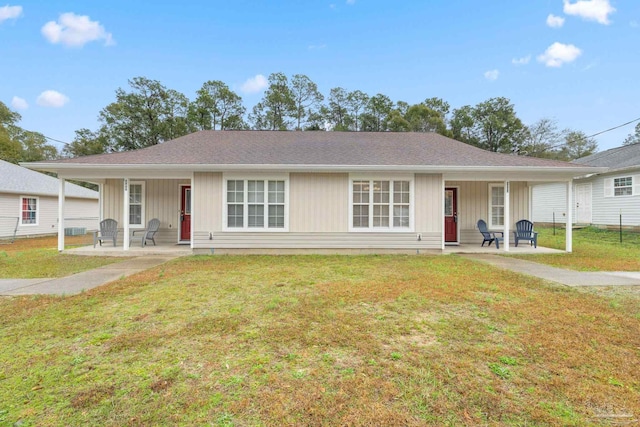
(622, 186)
(256, 204)
(29, 211)
(136, 204)
(378, 204)
(496, 206)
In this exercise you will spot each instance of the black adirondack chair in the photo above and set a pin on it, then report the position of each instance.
(524, 231)
(489, 236)
(108, 231)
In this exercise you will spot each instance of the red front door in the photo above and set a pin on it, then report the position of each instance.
(450, 214)
(185, 213)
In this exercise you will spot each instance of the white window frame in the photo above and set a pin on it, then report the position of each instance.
(20, 211)
(610, 188)
(246, 177)
(143, 203)
(630, 186)
(391, 179)
(490, 223)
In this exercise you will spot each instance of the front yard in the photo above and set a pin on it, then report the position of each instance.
(593, 250)
(311, 340)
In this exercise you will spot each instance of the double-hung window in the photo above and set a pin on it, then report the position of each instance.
(496, 206)
(255, 204)
(622, 186)
(136, 204)
(380, 204)
(29, 211)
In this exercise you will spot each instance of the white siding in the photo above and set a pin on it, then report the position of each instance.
(428, 203)
(547, 200)
(607, 210)
(318, 202)
(78, 213)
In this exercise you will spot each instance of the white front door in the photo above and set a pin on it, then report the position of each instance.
(583, 203)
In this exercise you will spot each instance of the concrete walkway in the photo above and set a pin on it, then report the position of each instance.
(559, 275)
(85, 280)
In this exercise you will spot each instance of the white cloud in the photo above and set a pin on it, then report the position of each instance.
(19, 103)
(492, 75)
(633, 24)
(555, 21)
(52, 98)
(590, 10)
(255, 84)
(351, 1)
(521, 61)
(558, 54)
(10, 12)
(75, 31)
(317, 46)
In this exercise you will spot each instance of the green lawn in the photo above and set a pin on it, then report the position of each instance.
(593, 249)
(321, 340)
(38, 257)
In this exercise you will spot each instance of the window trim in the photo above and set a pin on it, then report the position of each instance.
(490, 223)
(630, 186)
(143, 204)
(609, 188)
(381, 177)
(245, 177)
(20, 211)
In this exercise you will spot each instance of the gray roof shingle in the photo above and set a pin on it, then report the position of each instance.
(313, 148)
(627, 156)
(19, 180)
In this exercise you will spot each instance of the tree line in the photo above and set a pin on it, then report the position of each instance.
(148, 113)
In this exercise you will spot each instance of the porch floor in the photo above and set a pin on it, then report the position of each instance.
(182, 250)
(134, 250)
(477, 249)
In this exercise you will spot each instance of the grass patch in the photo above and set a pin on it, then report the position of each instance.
(594, 249)
(310, 340)
(38, 257)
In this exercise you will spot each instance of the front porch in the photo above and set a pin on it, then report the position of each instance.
(521, 249)
(132, 251)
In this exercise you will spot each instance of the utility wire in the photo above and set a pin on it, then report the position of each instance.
(613, 128)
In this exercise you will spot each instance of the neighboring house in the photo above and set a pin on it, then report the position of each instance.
(599, 199)
(222, 191)
(30, 199)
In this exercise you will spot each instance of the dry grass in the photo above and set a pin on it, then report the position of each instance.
(363, 340)
(39, 257)
(593, 250)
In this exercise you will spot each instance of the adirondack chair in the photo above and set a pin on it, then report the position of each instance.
(146, 234)
(108, 231)
(524, 231)
(489, 236)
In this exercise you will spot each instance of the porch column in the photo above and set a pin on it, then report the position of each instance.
(569, 224)
(192, 210)
(442, 190)
(100, 202)
(60, 215)
(507, 215)
(125, 215)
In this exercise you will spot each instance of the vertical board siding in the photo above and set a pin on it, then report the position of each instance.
(428, 203)
(207, 215)
(473, 204)
(318, 202)
(162, 201)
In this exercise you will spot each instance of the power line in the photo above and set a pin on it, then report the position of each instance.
(613, 128)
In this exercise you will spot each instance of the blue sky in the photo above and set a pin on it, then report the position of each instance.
(575, 61)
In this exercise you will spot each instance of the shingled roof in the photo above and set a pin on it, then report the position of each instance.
(627, 156)
(314, 149)
(19, 180)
